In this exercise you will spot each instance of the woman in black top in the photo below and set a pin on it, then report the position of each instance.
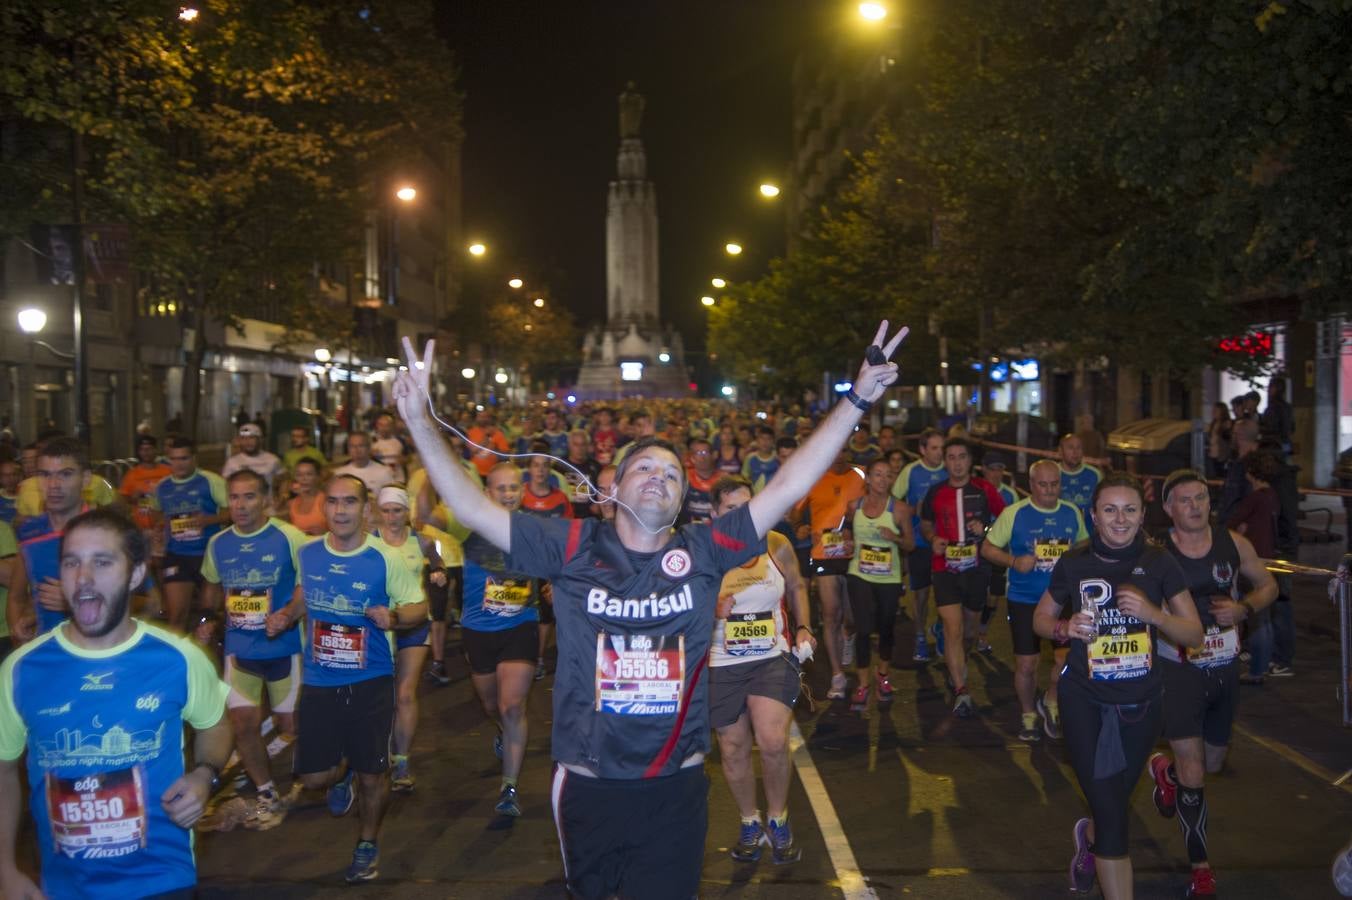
(1120, 590)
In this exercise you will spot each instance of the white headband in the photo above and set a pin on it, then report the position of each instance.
(392, 494)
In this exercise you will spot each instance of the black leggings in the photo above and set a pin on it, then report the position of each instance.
(1109, 798)
(874, 607)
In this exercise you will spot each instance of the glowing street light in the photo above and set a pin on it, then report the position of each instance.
(515, 284)
(718, 282)
(539, 302)
(407, 193)
(733, 248)
(873, 12)
(467, 372)
(477, 249)
(322, 354)
(32, 320)
(707, 300)
(500, 377)
(769, 190)
(188, 14)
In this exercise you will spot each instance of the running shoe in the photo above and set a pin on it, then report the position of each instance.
(860, 698)
(341, 796)
(1166, 791)
(1050, 723)
(1029, 733)
(268, 812)
(401, 779)
(983, 646)
(540, 670)
(1277, 670)
(1251, 679)
(436, 673)
(1203, 883)
(364, 859)
(837, 690)
(507, 802)
(749, 840)
(782, 848)
(963, 707)
(847, 652)
(937, 629)
(1082, 869)
(885, 689)
(497, 745)
(922, 653)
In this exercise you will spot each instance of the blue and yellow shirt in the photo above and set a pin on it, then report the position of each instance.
(343, 646)
(104, 734)
(257, 572)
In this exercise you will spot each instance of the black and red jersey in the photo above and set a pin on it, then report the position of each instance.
(949, 509)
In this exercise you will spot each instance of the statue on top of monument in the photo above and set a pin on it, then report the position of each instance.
(631, 111)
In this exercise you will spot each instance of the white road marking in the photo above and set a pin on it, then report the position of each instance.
(852, 883)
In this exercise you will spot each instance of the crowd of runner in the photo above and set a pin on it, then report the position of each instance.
(687, 557)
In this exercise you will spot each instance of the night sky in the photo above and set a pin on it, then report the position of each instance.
(541, 123)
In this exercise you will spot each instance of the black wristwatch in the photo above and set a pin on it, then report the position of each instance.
(215, 774)
(858, 401)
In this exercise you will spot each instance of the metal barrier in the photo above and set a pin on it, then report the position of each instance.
(1342, 586)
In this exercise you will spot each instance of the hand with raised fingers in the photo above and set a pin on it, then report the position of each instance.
(878, 371)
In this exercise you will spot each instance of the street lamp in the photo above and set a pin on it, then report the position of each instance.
(718, 282)
(515, 284)
(733, 248)
(322, 354)
(769, 190)
(467, 372)
(477, 249)
(407, 193)
(707, 300)
(32, 320)
(500, 377)
(873, 12)
(188, 14)
(539, 302)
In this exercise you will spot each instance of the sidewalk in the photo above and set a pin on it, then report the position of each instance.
(1304, 713)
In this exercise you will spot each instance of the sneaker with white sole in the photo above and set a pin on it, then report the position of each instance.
(364, 860)
(750, 838)
(268, 812)
(837, 689)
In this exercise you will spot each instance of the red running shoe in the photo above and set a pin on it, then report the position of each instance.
(1166, 792)
(1203, 883)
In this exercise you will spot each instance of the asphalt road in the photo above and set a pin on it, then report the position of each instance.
(926, 805)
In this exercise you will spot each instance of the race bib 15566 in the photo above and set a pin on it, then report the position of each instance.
(639, 674)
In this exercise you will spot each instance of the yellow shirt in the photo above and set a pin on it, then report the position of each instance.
(97, 493)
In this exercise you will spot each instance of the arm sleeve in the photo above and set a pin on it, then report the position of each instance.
(538, 545)
(294, 536)
(732, 538)
(927, 505)
(1002, 531)
(899, 486)
(400, 585)
(218, 492)
(1172, 581)
(206, 691)
(13, 731)
(1059, 587)
(209, 572)
(994, 501)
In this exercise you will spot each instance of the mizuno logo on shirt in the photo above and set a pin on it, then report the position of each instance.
(599, 603)
(337, 568)
(95, 682)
